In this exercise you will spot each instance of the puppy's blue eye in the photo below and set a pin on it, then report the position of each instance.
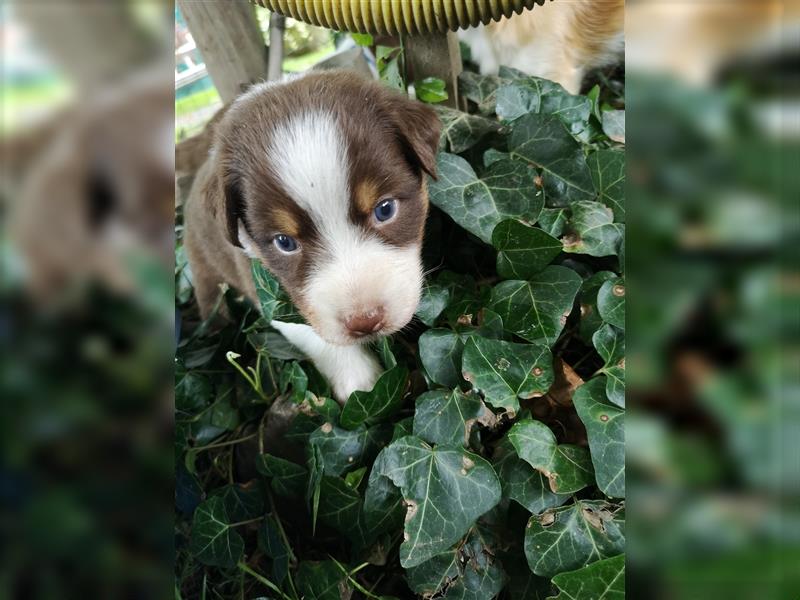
(386, 209)
(285, 243)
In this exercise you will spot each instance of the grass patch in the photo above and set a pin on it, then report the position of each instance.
(197, 101)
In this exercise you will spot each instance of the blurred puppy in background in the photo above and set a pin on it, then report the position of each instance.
(561, 40)
(97, 190)
(697, 41)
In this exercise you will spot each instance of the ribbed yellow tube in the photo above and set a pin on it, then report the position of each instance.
(389, 17)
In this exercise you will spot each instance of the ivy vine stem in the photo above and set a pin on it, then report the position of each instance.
(247, 522)
(253, 377)
(352, 580)
(225, 443)
(264, 580)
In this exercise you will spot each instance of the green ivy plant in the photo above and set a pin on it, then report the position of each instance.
(488, 461)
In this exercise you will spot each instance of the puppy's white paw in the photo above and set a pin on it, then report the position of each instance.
(359, 371)
(347, 368)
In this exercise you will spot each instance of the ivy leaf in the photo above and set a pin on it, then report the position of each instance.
(434, 576)
(353, 478)
(339, 505)
(325, 407)
(608, 174)
(431, 90)
(523, 250)
(383, 503)
(505, 371)
(445, 490)
(301, 428)
(566, 538)
(601, 580)
(434, 300)
(224, 414)
(537, 310)
(342, 508)
(440, 352)
(379, 403)
(322, 581)
(342, 450)
(241, 503)
(188, 491)
(591, 320)
(467, 572)
(521, 482)
(446, 417)
(362, 39)
(385, 353)
(271, 543)
(614, 125)
(214, 542)
(464, 297)
(492, 156)
(388, 60)
(611, 302)
(293, 376)
(505, 191)
(490, 325)
(610, 345)
(605, 428)
(461, 131)
(481, 89)
(274, 301)
(544, 141)
(287, 479)
(593, 230)
(535, 95)
(553, 221)
(402, 428)
(568, 468)
(193, 392)
(316, 470)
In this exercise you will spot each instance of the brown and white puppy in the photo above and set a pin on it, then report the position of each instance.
(322, 178)
(560, 40)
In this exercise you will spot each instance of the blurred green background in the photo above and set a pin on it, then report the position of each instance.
(714, 305)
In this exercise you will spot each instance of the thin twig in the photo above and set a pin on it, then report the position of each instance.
(264, 580)
(225, 443)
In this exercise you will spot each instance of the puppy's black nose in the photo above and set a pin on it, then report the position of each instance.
(365, 323)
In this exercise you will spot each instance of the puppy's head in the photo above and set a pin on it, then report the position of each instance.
(324, 181)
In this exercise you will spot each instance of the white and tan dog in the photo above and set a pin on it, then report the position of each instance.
(560, 40)
(322, 179)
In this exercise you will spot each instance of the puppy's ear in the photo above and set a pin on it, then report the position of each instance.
(234, 205)
(230, 199)
(419, 128)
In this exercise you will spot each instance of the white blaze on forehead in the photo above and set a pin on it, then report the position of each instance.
(308, 155)
(357, 271)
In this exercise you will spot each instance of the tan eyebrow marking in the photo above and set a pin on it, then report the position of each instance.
(286, 222)
(366, 195)
(423, 193)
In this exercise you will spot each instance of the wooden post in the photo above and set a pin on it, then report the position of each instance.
(230, 40)
(277, 24)
(435, 55)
